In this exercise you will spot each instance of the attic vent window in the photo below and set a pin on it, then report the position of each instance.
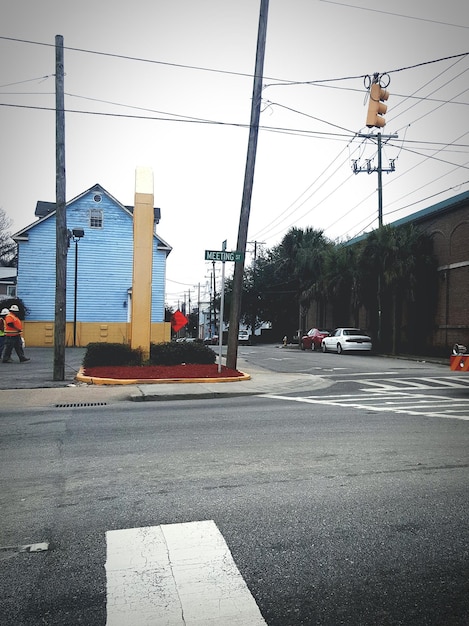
(97, 197)
(96, 218)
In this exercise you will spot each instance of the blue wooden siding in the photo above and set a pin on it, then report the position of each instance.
(104, 265)
(36, 271)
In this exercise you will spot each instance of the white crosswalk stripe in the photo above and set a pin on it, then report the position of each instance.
(452, 382)
(394, 401)
(175, 575)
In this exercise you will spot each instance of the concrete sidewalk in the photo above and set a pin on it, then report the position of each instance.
(31, 384)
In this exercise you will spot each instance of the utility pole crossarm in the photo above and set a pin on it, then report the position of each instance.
(380, 169)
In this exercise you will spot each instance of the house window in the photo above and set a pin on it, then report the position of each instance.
(96, 218)
(11, 291)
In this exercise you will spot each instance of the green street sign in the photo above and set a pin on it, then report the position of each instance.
(224, 255)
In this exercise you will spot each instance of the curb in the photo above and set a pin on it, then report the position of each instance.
(200, 394)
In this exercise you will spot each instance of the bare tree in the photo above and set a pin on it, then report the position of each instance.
(8, 250)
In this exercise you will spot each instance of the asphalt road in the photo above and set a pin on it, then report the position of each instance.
(335, 513)
(291, 359)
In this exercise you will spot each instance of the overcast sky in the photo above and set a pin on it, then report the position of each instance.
(185, 68)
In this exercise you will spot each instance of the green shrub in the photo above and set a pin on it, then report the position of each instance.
(169, 353)
(174, 353)
(100, 353)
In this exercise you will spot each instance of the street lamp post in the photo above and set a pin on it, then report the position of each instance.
(76, 234)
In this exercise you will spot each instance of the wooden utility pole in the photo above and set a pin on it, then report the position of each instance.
(235, 311)
(61, 240)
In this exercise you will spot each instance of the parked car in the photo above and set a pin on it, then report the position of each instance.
(346, 339)
(312, 339)
(211, 341)
(244, 336)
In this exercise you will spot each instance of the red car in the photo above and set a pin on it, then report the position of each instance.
(312, 339)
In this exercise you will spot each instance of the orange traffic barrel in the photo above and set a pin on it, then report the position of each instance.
(459, 362)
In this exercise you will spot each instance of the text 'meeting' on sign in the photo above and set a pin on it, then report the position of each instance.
(223, 255)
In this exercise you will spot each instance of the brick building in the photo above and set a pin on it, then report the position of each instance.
(448, 224)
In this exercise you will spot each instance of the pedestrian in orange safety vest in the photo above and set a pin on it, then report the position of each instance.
(2, 329)
(13, 339)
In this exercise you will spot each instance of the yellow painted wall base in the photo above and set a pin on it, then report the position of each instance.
(41, 334)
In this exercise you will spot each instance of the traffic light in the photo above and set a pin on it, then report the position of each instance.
(376, 108)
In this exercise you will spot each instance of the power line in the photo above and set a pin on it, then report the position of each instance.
(269, 228)
(434, 91)
(351, 89)
(408, 17)
(407, 206)
(312, 117)
(188, 119)
(140, 59)
(432, 157)
(362, 76)
(288, 215)
(29, 80)
(279, 81)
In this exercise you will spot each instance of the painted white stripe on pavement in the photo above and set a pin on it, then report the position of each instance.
(175, 575)
(427, 407)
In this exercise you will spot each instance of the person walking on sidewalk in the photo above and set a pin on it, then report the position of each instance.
(13, 339)
(2, 330)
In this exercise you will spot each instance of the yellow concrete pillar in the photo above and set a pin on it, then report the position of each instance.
(140, 323)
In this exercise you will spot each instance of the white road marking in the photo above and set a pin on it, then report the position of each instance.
(408, 383)
(413, 383)
(402, 403)
(175, 575)
(448, 381)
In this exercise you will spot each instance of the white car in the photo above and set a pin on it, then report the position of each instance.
(346, 339)
(244, 336)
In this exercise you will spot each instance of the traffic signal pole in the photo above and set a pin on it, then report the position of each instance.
(375, 119)
(380, 183)
(369, 169)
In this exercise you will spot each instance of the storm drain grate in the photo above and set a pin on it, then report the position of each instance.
(74, 405)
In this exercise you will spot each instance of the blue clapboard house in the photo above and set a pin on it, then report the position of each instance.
(99, 272)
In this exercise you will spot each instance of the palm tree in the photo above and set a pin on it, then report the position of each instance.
(304, 253)
(394, 259)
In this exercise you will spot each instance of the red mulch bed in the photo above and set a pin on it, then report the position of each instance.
(160, 371)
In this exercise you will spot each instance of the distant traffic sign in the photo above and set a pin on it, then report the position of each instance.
(224, 255)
